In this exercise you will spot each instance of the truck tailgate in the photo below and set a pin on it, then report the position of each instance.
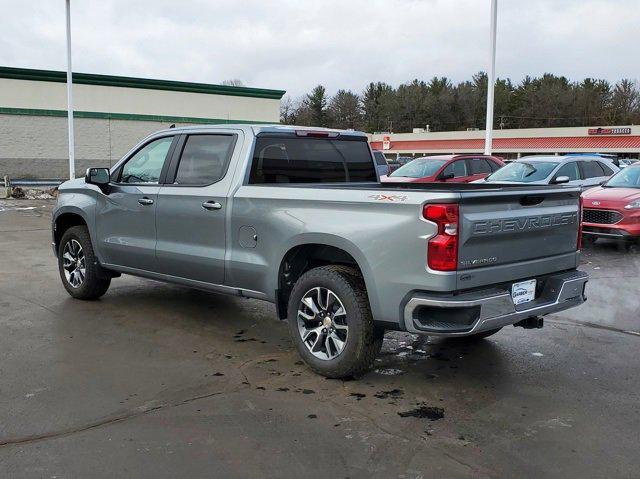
(516, 233)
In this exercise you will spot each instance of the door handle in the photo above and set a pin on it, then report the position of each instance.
(211, 205)
(145, 201)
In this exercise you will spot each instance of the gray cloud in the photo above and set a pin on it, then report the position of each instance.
(295, 45)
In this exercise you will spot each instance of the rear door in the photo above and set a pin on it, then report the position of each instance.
(516, 233)
(592, 172)
(458, 169)
(126, 217)
(478, 168)
(192, 206)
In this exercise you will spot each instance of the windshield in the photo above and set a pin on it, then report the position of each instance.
(419, 168)
(524, 172)
(627, 178)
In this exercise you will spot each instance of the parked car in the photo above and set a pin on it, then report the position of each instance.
(583, 171)
(613, 209)
(381, 163)
(624, 162)
(296, 216)
(445, 168)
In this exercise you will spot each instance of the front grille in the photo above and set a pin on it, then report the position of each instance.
(602, 217)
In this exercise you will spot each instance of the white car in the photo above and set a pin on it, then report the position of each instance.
(578, 170)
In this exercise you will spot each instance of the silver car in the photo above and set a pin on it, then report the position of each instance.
(577, 170)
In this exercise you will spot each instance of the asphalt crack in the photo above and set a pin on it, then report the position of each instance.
(113, 419)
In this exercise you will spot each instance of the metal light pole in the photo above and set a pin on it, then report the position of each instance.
(491, 78)
(72, 160)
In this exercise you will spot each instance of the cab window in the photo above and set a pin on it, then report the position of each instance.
(146, 164)
(204, 159)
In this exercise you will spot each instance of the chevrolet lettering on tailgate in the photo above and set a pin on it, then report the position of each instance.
(523, 224)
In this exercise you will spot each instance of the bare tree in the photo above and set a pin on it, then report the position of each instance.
(233, 82)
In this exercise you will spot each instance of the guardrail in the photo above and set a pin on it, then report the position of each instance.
(35, 183)
(11, 187)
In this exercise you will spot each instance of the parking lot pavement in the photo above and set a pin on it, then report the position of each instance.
(157, 380)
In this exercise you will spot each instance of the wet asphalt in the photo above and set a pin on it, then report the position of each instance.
(156, 380)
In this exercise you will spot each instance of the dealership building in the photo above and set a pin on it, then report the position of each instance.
(112, 113)
(623, 141)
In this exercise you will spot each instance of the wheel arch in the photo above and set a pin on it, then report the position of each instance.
(314, 251)
(67, 219)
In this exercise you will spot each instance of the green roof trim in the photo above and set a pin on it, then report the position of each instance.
(132, 82)
(126, 116)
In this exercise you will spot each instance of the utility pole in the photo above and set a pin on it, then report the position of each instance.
(72, 160)
(491, 78)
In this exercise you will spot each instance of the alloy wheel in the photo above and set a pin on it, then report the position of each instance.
(322, 323)
(73, 263)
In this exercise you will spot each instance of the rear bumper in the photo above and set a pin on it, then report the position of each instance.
(615, 231)
(469, 313)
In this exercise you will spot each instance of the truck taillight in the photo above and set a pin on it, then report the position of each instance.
(579, 245)
(442, 249)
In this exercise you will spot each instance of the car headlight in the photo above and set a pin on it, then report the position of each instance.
(634, 205)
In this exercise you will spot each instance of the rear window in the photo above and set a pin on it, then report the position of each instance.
(311, 160)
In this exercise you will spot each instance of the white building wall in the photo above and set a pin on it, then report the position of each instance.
(43, 95)
(36, 146)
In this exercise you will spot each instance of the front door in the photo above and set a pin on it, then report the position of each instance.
(571, 170)
(126, 216)
(192, 208)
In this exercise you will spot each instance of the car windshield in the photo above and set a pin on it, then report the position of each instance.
(627, 178)
(419, 168)
(524, 172)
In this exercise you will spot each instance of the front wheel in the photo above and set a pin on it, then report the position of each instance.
(331, 324)
(78, 265)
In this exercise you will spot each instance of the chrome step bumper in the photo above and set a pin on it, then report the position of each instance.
(469, 313)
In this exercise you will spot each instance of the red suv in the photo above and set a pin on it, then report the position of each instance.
(613, 209)
(449, 168)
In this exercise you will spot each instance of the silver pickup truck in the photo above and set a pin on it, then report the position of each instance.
(298, 217)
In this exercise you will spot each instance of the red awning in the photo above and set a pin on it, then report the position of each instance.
(528, 144)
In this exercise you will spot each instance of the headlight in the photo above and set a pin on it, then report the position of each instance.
(634, 205)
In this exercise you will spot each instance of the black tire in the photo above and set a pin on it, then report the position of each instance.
(476, 337)
(93, 284)
(364, 339)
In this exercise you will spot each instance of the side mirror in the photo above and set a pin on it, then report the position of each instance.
(99, 177)
(561, 179)
(448, 176)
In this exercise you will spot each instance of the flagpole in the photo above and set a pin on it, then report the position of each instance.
(72, 160)
(491, 78)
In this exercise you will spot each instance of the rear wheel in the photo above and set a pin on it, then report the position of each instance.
(78, 265)
(331, 324)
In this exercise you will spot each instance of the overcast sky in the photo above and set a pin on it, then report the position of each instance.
(294, 45)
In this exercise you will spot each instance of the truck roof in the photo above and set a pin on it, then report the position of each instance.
(257, 128)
